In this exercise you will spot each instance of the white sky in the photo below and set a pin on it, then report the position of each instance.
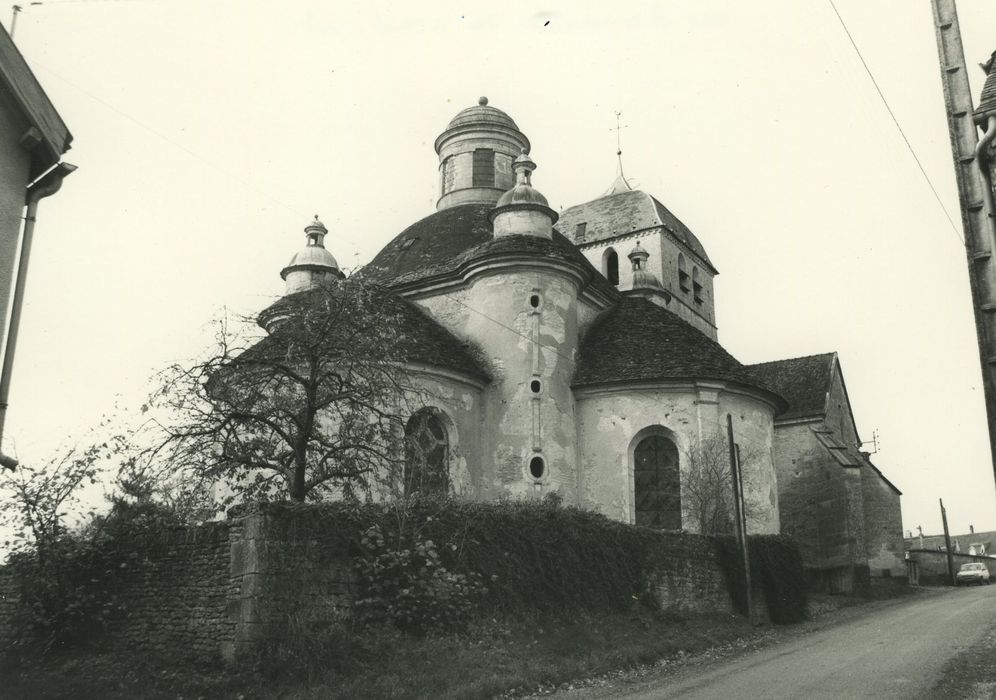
(208, 132)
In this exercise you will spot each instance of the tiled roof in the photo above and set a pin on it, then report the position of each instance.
(627, 212)
(445, 241)
(415, 336)
(637, 340)
(987, 100)
(803, 381)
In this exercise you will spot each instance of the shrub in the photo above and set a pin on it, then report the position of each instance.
(406, 583)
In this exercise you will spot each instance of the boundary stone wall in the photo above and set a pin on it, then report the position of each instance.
(934, 564)
(220, 590)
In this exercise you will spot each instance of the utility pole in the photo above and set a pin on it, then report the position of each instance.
(947, 543)
(975, 196)
(740, 513)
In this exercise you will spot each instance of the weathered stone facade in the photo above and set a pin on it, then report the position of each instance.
(834, 501)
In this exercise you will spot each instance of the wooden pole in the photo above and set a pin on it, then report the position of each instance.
(740, 514)
(947, 543)
(973, 183)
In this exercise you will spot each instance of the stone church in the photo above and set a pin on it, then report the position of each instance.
(577, 353)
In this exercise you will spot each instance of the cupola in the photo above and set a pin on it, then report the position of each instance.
(313, 265)
(476, 152)
(642, 277)
(522, 210)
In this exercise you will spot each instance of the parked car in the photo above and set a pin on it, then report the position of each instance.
(972, 573)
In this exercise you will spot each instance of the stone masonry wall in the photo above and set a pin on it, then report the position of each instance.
(883, 526)
(221, 590)
(173, 587)
(690, 578)
(168, 590)
(933, 565)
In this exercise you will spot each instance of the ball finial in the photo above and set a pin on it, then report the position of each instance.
(482, 101)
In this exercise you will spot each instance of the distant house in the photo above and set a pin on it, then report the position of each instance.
(980, 544)
(832, 498)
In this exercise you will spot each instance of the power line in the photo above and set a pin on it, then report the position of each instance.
(896, 122)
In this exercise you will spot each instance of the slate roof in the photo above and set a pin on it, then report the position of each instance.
(637, 340)
(803, 381)
(419, 339)
(443, 242)
(627, 212)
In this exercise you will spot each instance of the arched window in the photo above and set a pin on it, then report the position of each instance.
(427, 454)
(696, 286)
(610, 266)
(657, 483)
(682, 274)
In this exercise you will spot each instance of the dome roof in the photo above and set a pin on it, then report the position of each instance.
(310, 256)
(522, 194)
(638, 341)
(482, 113)
(415, 336)
(443, 242)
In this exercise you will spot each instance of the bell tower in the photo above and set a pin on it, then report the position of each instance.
(476, 153)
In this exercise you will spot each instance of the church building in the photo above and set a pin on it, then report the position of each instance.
(577, 353)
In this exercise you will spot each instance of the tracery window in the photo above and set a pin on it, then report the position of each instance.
(427, 448)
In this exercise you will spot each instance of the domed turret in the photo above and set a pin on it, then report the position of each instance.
(312, 265)
(523, 210)
(475, 156)
(642, 277)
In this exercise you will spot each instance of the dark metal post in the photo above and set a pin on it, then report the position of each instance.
(740, 513)
(947, 543)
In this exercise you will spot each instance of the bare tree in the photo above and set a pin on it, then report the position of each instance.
(316, 405)
(707, 489)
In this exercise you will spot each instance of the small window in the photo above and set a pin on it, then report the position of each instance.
(537, 467)
(696, 286)
(683, 279)
(610, 266)
(580, 230)
(484, 168)
(534, 301)
(535, 386)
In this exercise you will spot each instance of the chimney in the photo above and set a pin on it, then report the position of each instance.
(971, 529)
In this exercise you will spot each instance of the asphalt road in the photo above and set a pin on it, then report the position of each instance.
(895, 651)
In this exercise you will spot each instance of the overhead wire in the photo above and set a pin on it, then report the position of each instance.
(895, 121)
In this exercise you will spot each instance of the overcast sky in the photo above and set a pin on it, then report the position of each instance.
(208, 132)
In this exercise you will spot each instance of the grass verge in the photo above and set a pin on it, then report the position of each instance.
(489, 659)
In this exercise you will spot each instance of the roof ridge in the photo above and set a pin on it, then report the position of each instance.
(831, 353)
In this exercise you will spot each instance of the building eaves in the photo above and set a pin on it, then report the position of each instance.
(54, 137)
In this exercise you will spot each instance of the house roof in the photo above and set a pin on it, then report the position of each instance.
(628, 211)
(637, 340)
(959, 543)
(803, 381)
(987, 100)
(27, 93)
(449, 239)
(415, 336)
